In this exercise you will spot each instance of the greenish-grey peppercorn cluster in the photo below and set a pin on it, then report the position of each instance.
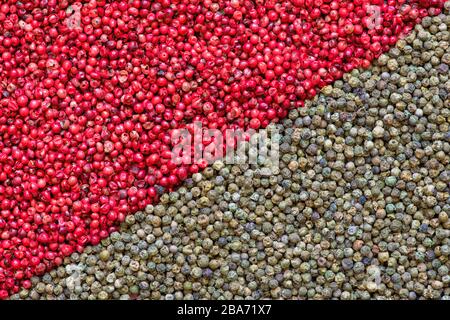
(357, 209)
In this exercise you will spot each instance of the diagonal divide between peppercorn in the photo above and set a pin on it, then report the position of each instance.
(86, 217)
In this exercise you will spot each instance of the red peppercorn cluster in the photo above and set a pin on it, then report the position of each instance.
(89, 92)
